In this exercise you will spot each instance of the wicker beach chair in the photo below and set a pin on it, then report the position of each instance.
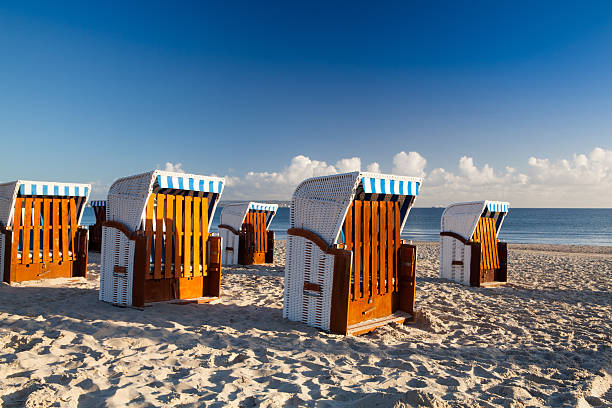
(95, 231)
(347, 270)
(40, 236)
(244, 231)
(470, 252)
(155, 241)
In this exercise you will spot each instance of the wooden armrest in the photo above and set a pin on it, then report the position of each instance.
(317, 240)
(454, 235)
(121, 227)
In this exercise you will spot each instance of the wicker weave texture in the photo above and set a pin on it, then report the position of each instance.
(307, 263)
(8, 193)
(451, 249)
(229, 240)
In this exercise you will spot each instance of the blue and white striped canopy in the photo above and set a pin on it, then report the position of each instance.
(98, 203)
(497, 206)
(191, 183)
(53, 189)
(372, 185)
(263, 207)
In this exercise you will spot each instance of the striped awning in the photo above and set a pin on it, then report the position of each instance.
(372, 185)
(191, 183)
(53, 189)
(263, 207)
(497, 206)
(98, 203)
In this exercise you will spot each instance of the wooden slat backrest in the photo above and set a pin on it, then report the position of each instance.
(176, 228)
(374, 243)
(169, 237)
(197, 222)
(27, 226)
(65, 231)
(357, 245)
(204, 235)
(17, 227)
(36, 231)
(254, 228)
(73, 226)
(366, 249)
(382, 248)
(485, 234)
(187, 264)
(55, 217)
(159, 233)
(178, 237)
(397, 242)
(149, 232)
(372, 232)
(46, 229)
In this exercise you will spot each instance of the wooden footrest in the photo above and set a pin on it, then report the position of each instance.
(369, 325)
(194, 301)
(491, 284)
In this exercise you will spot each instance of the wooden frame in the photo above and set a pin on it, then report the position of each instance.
(46, 241)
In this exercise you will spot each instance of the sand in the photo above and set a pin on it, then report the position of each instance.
(542, 340)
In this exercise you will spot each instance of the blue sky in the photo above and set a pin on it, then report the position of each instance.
(95, 92)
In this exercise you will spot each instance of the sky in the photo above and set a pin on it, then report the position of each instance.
(484, 100)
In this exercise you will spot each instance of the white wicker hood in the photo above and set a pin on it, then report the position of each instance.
(128, 196)
(462, 218)
(320, 204)
(234, 214)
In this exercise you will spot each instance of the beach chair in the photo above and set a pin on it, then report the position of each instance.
(347, 270)
(155, 241)
(40, 236)
(244, 231)
(470, 252)
(95, 231)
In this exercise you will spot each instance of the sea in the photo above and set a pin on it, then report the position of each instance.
(521, 225)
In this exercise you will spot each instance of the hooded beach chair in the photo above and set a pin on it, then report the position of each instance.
(155, 241)
(470, 252)
(244, 230)
(347, 270)
(40, 236)
(95, 231)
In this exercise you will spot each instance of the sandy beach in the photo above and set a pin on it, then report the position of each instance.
(542, 340)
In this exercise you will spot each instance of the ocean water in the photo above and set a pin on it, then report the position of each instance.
(521, 225)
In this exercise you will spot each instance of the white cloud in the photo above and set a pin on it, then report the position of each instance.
(280, 185)
(409, 164)
(373, 167)
(348, 165)
(177, 168)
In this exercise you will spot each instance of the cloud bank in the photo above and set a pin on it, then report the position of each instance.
(585, 180)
